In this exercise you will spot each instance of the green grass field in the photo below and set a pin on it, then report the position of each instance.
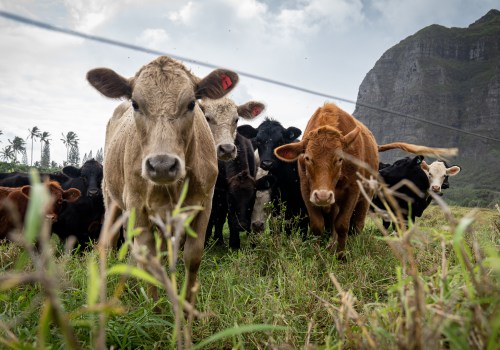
(434, 288)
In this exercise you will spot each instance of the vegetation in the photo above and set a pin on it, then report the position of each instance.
(434, 285)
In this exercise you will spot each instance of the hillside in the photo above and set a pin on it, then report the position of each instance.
(450, 76)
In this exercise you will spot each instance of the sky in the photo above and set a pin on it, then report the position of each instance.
(322, 45)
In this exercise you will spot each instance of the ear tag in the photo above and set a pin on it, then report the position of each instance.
(225, 81)
(256, 111)
(419, 161)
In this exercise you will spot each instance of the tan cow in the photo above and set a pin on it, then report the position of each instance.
(155, 140)
(222, 116)
(328, 183)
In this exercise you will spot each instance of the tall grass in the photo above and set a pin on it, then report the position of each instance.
(434, 285)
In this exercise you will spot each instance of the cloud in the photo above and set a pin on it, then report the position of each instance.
(185, 15)
(153, 38)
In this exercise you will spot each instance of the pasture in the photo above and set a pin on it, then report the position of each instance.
(434, 286)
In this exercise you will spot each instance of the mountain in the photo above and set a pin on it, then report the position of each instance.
(448, 76)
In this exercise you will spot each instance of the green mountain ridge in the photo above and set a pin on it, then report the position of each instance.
(450, 76)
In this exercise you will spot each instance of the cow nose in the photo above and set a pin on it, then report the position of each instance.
(435, 188)
(163, 168)
(226, 151)
(93, 192)
(257, 226)
(322, 197)
(51, 217)
(266, 164)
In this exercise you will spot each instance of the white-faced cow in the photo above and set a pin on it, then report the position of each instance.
(222, 117)
(438, 173)
(155, 140)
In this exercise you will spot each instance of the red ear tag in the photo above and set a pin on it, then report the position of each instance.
(256, 111)
(225, 81)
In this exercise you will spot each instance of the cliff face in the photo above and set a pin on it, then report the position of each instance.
(450, 76)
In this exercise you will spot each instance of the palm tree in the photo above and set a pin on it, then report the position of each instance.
(7, 154)
(44, 137)
(34, 133)
(69, 140)
(18, 145)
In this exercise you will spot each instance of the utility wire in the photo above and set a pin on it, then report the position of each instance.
(50, 27)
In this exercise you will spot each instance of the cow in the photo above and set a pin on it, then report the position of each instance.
(438, 173)
(156, 140)
(262, 198)
(265, 138)
(222, 116)
(19, 179)
(235, 193)
(411, 204)
(327, 181)
(82, 218)
(19, 197)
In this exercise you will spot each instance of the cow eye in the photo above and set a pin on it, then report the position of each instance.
(191, 105)
(307, 159)
(208, 118)
(135, 106)
(235, 121)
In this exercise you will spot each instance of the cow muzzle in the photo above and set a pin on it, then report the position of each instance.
(266, 164)
(322, 198)
(163, 169)
(257, 226)
(436, 189)
(226, 151)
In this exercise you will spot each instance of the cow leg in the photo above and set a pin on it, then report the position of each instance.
(316, 220)
(358, 217)
(234, 231)
(342, 222)
(193, 251)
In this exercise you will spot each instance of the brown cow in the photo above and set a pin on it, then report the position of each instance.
(327, 182)
(156, 140)
(19, 196)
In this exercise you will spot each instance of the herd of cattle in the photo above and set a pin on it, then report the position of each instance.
(175, 126)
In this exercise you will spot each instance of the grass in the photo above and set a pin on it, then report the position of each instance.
(435, 286)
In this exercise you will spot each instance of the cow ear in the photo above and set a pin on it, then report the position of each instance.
(418, 159)
(248, 131)
(71, 171)
(265, 182)
(109, 83)
(250, 109)
(25, 190)
(72, 194)
(350, 137)
(424, 166)
(291, 133)
(217, 84)
(452, 171)
(290, 152)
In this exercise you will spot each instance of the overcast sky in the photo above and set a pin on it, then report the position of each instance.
(321, 45)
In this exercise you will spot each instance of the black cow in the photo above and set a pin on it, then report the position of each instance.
(234, 194)
(83, 218)
(269, 135)
(19, 179)
(406, 169)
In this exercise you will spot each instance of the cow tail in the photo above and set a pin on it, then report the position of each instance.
(417, 149)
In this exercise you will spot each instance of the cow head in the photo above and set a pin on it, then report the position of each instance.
(90, 175)
(269, 135)
(163, 104)
(263, 196)
(438, 173)
(222, 116)
(320, 158)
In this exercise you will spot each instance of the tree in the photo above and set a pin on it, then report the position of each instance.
(34, 133)
(74, 156)
(54, 164)
(25, 157)
(44, 137)
(7, 154)
(99, 156)
(18, 145)
(70, 140)
(45, 160)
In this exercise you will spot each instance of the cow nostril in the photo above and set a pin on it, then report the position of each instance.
(226, 148)
(173, 167)
(266, 164)
(149, 165)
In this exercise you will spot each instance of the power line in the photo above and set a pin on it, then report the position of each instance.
(50, 27)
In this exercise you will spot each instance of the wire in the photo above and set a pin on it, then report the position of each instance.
(50, 27)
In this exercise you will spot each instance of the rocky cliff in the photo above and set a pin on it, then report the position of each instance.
(450, 76)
